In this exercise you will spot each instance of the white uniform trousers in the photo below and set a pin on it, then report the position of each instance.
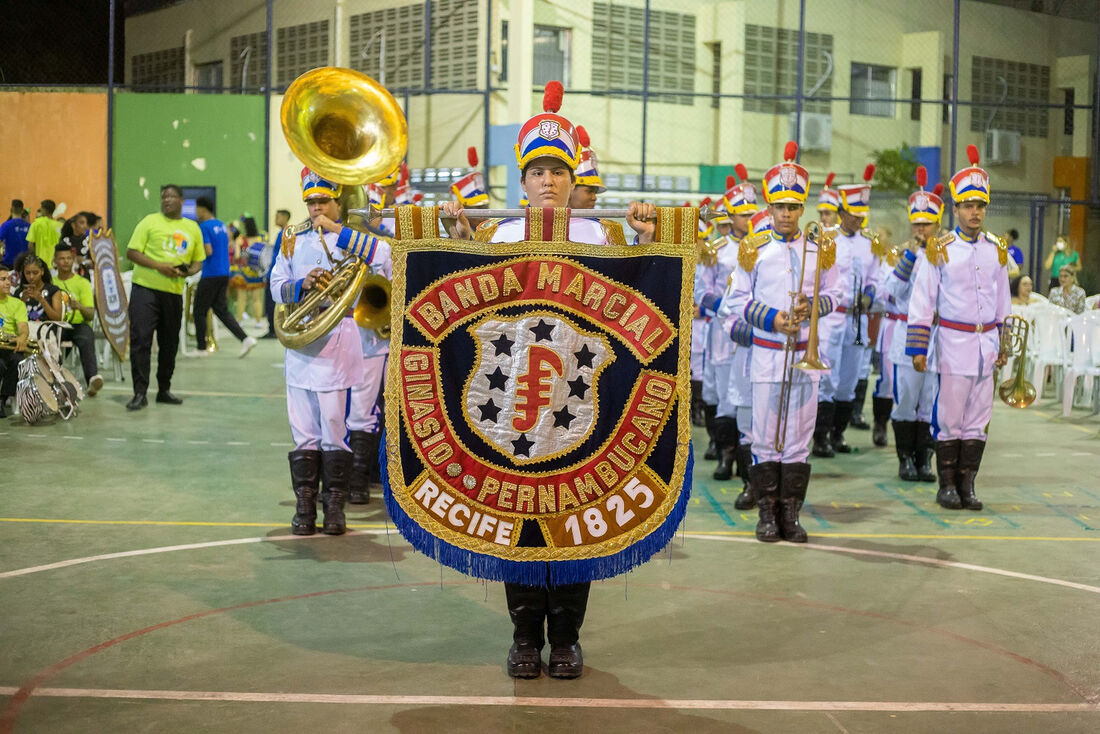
(914, 394)
(698, 346)
(318, 420)
(884, 386)
(963, 407)
(366, 414)
(846, 361)
(744, 424)
(716, 380)
(800, 419)
(865, 365)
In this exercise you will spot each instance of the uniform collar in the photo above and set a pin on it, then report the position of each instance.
(780, 238)
(964, 238)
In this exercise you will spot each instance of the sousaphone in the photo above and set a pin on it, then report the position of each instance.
(348, 128)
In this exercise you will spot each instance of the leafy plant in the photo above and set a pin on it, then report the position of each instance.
(895, 170)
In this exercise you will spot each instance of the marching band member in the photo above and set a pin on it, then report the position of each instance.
(914, 391)
(320, 376)
(547, 156)
(720, 228)
(699, 332)
(828, 202)
(711, 280)
(771, 289)
(964, 287)
(847, 327)
(589, 184)
(739, 393)
(884, 320)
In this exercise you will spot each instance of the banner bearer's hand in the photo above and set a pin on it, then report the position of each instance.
(458, 226)
(642, 218)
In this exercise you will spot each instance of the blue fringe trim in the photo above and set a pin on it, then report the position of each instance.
(534, 573)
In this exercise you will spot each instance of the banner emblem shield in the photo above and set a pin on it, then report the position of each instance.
(537, 403)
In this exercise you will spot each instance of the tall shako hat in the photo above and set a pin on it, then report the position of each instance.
(760, 222)
(971, 182)
(548, 133)
(314, 185)
(829, 200)
(740, 198)
(587, 172)
(856, 198)
(391, 178)
(787, 182)
(470, 189)
(925, 206)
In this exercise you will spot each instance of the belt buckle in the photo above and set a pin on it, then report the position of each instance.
(978, 329)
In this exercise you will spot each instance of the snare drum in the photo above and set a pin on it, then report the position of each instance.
(36, 399)
(76, 392)
(35, 364)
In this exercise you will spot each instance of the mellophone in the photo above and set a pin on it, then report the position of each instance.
(45, 387)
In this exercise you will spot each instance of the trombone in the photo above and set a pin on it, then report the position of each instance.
(811, 359)
(1016, 392)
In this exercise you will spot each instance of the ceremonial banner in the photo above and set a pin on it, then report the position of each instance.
(110, 294)
(537, 404)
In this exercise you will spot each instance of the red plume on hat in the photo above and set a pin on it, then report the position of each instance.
(471, 156)
(922, 176)
(829, 179)
(972, 154)
(741, 171)
(790, 150)
(869, 172)
(552, 95)
(706, 201)
(938, 189)
(582, 136)
(730, 181)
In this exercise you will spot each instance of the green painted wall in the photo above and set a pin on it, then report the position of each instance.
(190, 140)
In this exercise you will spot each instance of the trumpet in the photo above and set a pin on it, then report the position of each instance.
(1016, 392)
(811, 359)
(8, 342)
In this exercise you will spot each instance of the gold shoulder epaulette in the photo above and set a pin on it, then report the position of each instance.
(614, 231)
(486, 230)
(893, 255)
(1002, 247)
(936, 248)
(826, 253)
(878, 247)
(750, 245)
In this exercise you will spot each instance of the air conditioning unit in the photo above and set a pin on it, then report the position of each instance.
(1002, 146)
(816, 132)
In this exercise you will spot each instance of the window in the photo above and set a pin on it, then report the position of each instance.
(715, 73)
(1068, 95)
(454, 44)
(1018, 84)
(248, 61)
(948, 97)
(162, 70)
(618, 51)
(503, 76)
(551, 55)
(915, 83)
(208, 77)
(300, 48)
(873, 89)
(771, 67)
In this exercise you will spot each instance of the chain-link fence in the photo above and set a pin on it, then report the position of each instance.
(672, 93)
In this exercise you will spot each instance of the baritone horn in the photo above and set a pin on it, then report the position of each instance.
(811, 358)
(348, 128)
(1016, 392)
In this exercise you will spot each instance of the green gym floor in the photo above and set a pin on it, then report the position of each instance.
(149, 583)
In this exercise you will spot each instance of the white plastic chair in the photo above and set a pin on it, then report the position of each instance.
(1046, 347)
(1082, 350)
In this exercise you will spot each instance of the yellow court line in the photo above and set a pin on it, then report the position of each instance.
(910, 536)
(180, 523)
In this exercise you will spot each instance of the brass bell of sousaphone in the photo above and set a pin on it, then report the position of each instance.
(349, 129)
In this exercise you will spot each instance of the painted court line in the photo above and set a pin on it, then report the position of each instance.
(207, 393)
(699, 704)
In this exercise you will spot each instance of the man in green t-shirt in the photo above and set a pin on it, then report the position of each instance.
(13, 323)
(80, 313)
(165, 248)
(44, 233)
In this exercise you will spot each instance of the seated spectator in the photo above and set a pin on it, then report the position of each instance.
(81, 314)
(44, 233)
(1067, 293)
(13, 234)
(1022, 291)
(36, 289)
(1013, 251)
(1059, 257)
(13, 323)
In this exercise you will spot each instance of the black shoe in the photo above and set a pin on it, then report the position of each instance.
(765, 484)
(822, 447)
(881, 408)
(794, 478)
(711, 454)
(697, 417)
(904, 444)
(305, 477)
(364, 463)
(970, 459)
(566, 661)
(857, 420)
(925, 452)
(524, 661)
(725, 437)
(747, 499)
(137, 402)
(527, 610)
(335, 466)
(841, 416)
(709, 412)
(270, 335)
(3, 407)
(947, 465)
(168, 398)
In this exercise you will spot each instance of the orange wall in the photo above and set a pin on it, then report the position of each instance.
(53, 145)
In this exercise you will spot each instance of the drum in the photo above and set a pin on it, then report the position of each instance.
(258, 257)
(71, 384)
(35, 364)
(36, 399)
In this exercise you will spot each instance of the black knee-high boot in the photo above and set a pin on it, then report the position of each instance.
(970, 459)
(697, 417)
(880, 408)
(857, 420)
(709, 412)
(925, 452)
(765, 484)
(364, 463)
(794, 479)
(947, 466)
(305, 476)
(725, 437)
(337, 467)
(841, 416)
(822, 445)
(747, 499)
(527, 608)
(905, 444)
(564, 617)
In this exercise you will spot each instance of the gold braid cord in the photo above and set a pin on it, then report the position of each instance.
(677, 225)
(826, 253)
(746, 255)
(936, 248)
(614, 232)
(486, 230)
(1002, 248)
(413, 222)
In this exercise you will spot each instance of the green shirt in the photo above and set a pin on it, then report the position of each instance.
(172, 241)
(1061, 257)
(81, 290)
(12, 313)
(44, 233)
